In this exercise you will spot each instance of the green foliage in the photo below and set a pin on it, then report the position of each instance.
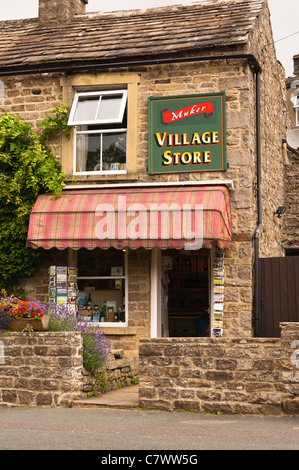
(94, 351)
(133, 380)
(27, 169)
(53, 125)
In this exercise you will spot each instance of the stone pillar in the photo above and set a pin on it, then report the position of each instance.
(60, 11)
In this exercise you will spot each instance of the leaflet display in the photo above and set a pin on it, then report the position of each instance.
(218, 294)
(63, 286)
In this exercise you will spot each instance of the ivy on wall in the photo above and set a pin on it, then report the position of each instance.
(27, 168)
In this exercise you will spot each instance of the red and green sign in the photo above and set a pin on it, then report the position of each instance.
(187, 133)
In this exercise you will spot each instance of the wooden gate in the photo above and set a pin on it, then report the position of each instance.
(278, 294)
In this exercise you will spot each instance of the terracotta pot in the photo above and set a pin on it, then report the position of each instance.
(37, 325)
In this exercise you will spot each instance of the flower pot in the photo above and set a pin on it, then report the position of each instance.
(41, 324)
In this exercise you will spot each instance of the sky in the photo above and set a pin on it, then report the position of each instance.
(284, 18)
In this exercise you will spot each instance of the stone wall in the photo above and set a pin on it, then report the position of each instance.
(274, 120)
(228, 376)
(119, 371)
(46, 369)
(41, 368)
(31, 97)
(37, 286)
(291, 216)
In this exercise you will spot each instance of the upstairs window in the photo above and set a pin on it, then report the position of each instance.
(295, 101)
(100, 120)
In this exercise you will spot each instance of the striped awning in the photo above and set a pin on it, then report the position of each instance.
(173, 217)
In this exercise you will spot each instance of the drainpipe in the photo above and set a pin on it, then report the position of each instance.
(259, 210)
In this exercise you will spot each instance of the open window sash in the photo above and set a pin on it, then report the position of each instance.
(99, 107)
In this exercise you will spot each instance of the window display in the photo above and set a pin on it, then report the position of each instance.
(95, 290)
(101, 286)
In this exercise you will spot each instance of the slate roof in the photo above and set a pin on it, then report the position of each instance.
(127, 35)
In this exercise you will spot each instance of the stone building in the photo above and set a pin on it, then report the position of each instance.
(292, 94)
(182, 106)
(291, 220)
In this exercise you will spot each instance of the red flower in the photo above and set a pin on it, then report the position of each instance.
(32, 314)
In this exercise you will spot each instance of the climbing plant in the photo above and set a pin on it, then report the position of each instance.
(54, 124)
(27, 168)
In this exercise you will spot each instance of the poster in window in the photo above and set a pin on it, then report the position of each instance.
(117, 271)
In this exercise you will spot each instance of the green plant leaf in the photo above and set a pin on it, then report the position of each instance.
(27, 168)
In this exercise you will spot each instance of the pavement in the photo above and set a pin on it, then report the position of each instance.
(123, 398)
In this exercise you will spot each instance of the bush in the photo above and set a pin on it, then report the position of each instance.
(96, 347)
(62, 319)
(27, 169)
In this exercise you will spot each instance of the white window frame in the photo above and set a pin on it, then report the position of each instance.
(100, 172)
(126, 281)
(100, 132)
(295, 101)
(99, 94)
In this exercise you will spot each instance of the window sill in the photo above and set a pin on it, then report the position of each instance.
(119, 331)
(112, 330)
(104, 173)
(102, 178)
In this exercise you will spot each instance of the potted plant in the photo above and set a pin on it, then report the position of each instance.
(16, 313)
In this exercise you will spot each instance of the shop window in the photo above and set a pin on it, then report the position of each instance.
(100, 121)
(102, 285)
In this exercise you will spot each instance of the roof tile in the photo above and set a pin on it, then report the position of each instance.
(119, 35)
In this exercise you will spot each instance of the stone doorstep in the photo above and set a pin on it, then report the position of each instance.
(124, 398)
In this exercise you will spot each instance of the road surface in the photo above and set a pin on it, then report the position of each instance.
(116, 430)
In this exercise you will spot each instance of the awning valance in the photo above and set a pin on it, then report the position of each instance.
(134, 217)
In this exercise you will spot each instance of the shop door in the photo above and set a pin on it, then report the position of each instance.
(188, 294)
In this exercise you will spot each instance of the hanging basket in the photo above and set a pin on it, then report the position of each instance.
(41, 324)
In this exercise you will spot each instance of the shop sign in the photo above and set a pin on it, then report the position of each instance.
(187, 133)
